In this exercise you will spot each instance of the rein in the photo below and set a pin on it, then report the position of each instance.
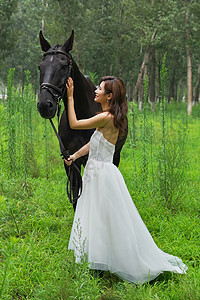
(57, 97)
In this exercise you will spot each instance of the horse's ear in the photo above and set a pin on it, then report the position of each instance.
(68, 45)
(44, 44)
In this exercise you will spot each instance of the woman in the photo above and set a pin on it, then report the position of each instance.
(107, 230)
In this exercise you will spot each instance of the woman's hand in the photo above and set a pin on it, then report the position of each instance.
(70, 159)
(70, 88)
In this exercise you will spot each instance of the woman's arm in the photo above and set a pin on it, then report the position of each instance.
(97, 121)
(81, 152)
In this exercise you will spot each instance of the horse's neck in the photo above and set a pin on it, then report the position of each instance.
(81, 84)
(83, 95)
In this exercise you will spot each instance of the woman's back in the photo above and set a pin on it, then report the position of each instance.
(109, 131)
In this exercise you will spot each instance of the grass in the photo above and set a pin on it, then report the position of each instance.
(36, 216)
(37, 265)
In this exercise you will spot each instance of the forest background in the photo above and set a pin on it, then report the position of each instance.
(119, 37)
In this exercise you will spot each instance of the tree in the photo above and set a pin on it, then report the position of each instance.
(7, 29)
(26, 53)
(142, 68)
(111, 37)
(189, 58)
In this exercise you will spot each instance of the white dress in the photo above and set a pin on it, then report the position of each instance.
(107, 230)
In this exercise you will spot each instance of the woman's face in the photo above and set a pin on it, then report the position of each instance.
(100, 95)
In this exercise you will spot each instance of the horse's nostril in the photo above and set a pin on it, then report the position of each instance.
(50, 104)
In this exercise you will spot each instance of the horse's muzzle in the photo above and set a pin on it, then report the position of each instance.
(47, 109)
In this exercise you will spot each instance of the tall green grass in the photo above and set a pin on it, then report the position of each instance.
(160, 164)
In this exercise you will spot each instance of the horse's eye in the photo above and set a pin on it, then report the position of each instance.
(63, 66)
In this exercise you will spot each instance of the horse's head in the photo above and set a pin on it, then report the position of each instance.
(54, 68)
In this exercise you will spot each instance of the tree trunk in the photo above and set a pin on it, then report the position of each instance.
(189, 80)
(142, 89)
(180, 94)
(121, 42)
(152, 79)
(196, 95)
(145, 61)
(171, 88)
(189, 61)
(169, 94)
(175, 90)
(43, 26)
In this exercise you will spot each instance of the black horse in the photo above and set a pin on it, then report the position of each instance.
(56, 66)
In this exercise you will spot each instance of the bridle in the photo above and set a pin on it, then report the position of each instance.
(58, 97)
(48, 86)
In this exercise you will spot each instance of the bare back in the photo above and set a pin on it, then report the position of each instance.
(109, 131)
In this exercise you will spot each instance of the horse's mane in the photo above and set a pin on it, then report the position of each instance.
(56, 47)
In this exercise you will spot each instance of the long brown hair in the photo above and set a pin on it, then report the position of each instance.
(118, 104)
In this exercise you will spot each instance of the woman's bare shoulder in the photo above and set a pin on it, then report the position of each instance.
(106, 114)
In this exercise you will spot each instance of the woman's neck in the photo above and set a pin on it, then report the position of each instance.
(105, 107)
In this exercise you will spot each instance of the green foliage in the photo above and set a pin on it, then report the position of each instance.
(172, 154)
(36, 216)
(25, 52)
(93, 77)
(111, 37)
(7, 29)
(20, 122)
(11, 123)
(144, 134)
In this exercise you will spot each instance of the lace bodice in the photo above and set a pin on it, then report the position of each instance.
(101, 152)
(100, 148)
